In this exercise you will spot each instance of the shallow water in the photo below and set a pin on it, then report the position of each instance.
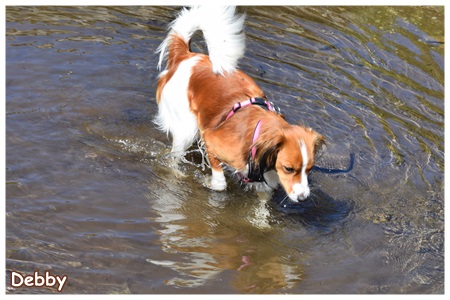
(89, 193)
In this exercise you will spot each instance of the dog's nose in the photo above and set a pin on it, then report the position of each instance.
(300, 192)
(302, 197)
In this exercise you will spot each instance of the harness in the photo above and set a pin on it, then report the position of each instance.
(255, 174)
(253, 101)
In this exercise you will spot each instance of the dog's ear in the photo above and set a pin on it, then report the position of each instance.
(319, 144)
(267, 147)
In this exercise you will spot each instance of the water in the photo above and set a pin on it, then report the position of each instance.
(89, 193)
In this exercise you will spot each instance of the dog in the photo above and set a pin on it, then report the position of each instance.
(206, 96)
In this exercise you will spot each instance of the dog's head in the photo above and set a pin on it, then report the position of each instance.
(290, 151)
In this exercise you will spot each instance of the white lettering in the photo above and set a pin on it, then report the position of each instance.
(62, 282)
(49, 279)
(14, 276)
(38, 280)
(29, 281)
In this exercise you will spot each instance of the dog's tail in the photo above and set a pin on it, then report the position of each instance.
(222, 30)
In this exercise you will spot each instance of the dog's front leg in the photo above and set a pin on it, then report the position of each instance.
(217, 181)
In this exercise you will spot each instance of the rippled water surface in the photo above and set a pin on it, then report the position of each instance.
(89, 193)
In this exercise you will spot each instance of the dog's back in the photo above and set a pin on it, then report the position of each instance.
(223, 32)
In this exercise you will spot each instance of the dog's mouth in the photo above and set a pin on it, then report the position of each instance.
(298, 198)
(293, 198)
(300, 192)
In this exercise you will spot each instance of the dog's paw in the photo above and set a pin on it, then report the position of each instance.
(215, 184)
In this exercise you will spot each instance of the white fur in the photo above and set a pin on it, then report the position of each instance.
(300, 191)
(218, 181)
(222, 29)
(174, 115)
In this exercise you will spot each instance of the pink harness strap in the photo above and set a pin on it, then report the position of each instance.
(240, 105)
(255, 137)
(248, 102)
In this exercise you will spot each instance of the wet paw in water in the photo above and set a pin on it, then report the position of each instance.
(214, 184)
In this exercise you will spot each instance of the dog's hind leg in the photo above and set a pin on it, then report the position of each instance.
(174, 114)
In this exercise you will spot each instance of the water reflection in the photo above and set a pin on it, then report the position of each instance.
(207, 235)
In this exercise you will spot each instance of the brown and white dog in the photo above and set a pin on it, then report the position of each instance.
(208, 96)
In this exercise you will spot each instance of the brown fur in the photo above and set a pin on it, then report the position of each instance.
(212, 96)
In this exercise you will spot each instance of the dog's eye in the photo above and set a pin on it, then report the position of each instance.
(288, 170)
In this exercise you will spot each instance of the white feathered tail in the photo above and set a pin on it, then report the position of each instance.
(222, 29)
